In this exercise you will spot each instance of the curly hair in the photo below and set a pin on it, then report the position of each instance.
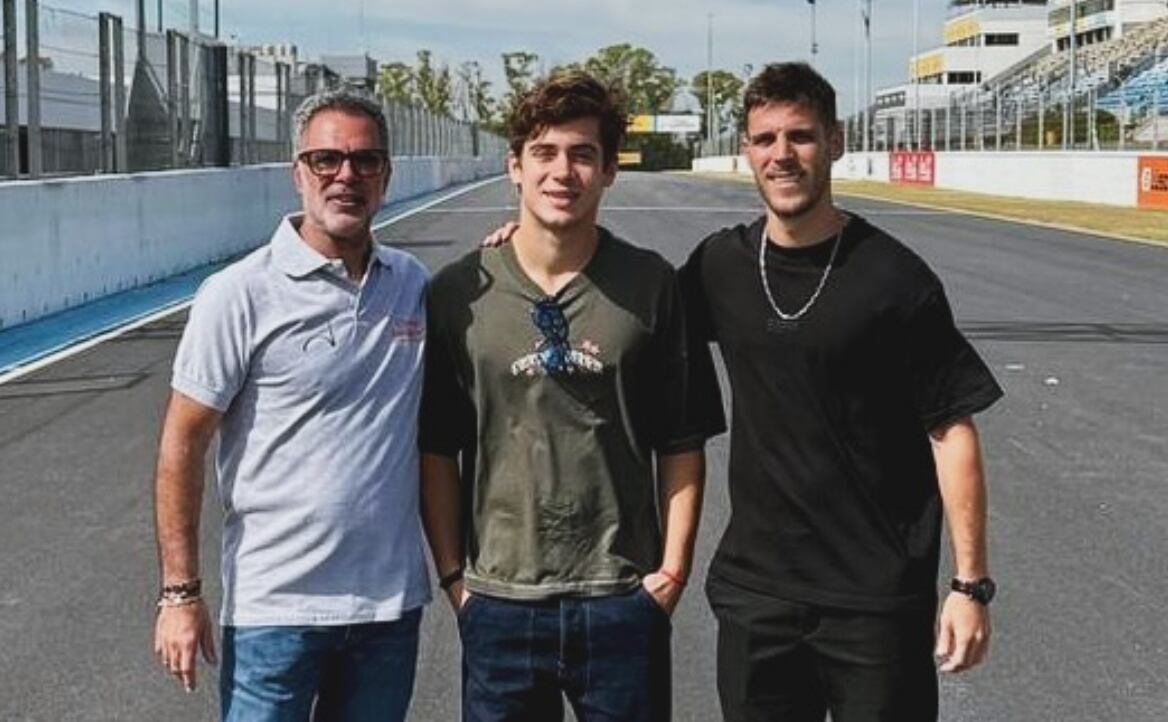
(565, 97)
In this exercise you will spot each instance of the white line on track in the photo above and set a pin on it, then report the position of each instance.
(82, 346)
(673, 209)
(139, 322)
(426, 206)
(874, 212)
(610, 209)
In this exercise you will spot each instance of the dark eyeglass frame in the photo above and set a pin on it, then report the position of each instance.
(317, 160)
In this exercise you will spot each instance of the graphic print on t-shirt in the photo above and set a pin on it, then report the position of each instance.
(553, 354)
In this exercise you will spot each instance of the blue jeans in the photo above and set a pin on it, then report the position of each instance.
(608, 655)
(347, 673)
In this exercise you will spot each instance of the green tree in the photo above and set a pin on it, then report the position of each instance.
(395, 82)
(434, 85)
(659, 89)
(519, 72)
(648, 86)
(475, 94)
(726, 89)
(1107, 129)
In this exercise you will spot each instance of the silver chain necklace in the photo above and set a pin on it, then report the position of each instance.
(766, 286)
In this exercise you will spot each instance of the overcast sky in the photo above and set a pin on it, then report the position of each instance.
(745, 32)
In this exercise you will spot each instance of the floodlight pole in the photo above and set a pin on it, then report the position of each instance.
(709, 77)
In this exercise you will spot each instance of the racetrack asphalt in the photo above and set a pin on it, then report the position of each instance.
(1074, 326)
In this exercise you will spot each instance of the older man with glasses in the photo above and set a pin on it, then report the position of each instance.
(305, 357)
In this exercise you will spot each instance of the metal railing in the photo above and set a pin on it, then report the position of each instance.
(104, 96)
(1115, 97)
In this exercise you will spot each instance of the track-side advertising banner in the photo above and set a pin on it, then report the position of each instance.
(1153, 180)
(628, 157)
(676, 123)
(640, 124)
(911, 167)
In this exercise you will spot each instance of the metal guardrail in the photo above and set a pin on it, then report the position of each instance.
(105, 97)
(1108, 101)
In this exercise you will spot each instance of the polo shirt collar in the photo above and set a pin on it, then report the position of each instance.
(298, 259)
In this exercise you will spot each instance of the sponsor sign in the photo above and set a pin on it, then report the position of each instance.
(679, 124)
(1153, 182)
(912, 167)
(640, 124)
(628, 157)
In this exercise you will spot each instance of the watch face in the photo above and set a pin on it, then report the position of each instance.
(980, 590)
(984, 590)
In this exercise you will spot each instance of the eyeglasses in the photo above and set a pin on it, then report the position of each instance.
(327, 162)
(554, 353)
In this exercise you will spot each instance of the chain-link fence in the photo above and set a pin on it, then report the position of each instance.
(418, 132)
(725, 144)
(9, 100)
(104, 95)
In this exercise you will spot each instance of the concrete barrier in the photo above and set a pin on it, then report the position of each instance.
(862, 166)
(719, 164)
(68, 241)
(1109, 178)
(853, 166)
(1112, 178)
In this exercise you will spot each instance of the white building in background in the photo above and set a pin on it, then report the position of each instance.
(1097, 21)
(980, 38)
(987, 39)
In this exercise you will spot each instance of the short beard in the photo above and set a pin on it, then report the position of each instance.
(817, 194)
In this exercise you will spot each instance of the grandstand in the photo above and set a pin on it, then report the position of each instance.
(1121, 48)
(980, 38)
(1097, 64)
(1144, 90)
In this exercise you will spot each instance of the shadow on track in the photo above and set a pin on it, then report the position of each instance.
(1065, 332)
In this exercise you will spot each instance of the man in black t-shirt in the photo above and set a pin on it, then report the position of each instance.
(852, 435)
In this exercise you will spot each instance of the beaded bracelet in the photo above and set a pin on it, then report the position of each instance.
(180, 594)
(174, 601)
(191, 587)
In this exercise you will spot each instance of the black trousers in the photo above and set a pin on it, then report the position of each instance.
(782, 661)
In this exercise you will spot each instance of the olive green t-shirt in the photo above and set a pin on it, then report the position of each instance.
(556, 405)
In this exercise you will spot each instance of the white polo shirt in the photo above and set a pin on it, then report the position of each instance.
(318, 379)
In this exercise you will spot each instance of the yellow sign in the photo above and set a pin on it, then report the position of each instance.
(629, 157)
(961, 29)
(926, 65)
(641, 124)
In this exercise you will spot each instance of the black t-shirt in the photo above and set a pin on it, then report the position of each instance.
(833, 486)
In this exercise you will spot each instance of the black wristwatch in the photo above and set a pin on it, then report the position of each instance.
(979, 590)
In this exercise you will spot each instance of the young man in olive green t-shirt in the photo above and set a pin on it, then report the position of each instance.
(557, 374)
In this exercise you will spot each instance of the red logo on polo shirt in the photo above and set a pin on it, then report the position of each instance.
(407, 329)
